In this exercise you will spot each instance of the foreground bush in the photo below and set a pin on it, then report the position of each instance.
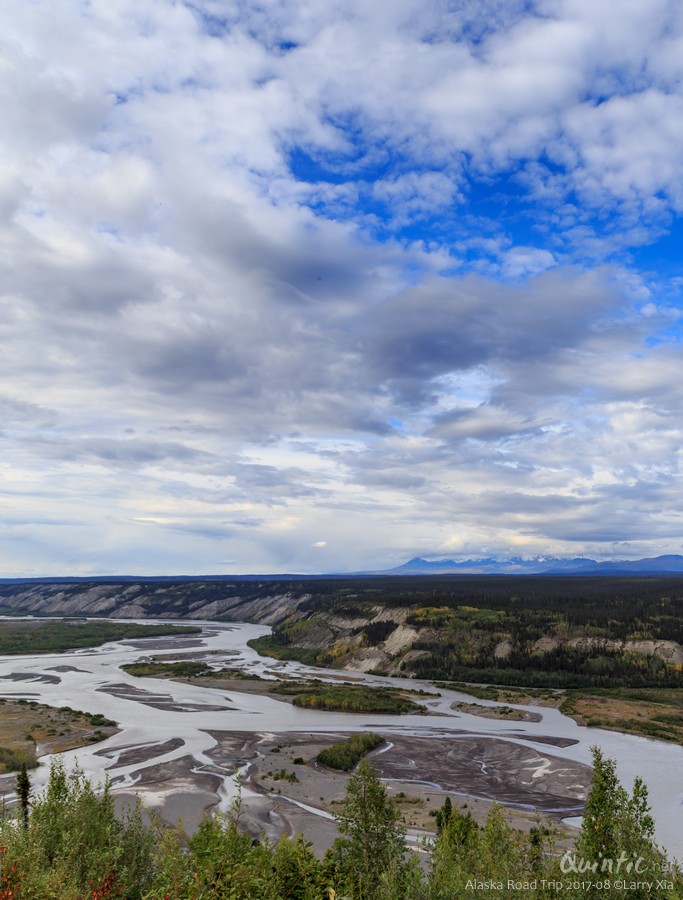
(72, 846)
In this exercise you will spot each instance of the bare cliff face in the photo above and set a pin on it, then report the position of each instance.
(354, 631)
(145, 600)
(669, 651)
(262, 603)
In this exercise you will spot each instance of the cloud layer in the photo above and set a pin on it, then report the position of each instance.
(317, 286)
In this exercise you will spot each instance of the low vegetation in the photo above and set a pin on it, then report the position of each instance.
(283, 775)
(56, 636)
(311, 694)
(504, 694)
(355, 698)
(184, 669)
(651, 712)
(12, 760)
(25, 724)
(278, 646)
(69, 844)
(345, 755)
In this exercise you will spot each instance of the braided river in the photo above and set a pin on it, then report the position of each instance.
(164, 721)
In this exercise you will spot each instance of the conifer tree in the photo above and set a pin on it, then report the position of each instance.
(24, 793)
(443, 816)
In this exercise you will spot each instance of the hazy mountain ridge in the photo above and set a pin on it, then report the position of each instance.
(543, 565)
(516, 565)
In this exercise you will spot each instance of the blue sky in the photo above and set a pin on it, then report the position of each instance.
(320, 286)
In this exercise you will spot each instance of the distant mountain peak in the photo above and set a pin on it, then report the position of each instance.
(670, 563)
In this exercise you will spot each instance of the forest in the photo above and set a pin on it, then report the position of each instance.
(651, 606)
(558, 632)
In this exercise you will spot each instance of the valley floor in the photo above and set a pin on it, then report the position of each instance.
(181, 739)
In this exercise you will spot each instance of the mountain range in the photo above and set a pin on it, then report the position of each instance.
(671, 564)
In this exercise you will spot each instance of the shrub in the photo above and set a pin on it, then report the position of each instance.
(346, 754)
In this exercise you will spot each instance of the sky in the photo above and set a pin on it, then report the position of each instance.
(323, 285)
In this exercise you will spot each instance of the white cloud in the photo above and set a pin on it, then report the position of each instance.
(208, 355)
(521, 261)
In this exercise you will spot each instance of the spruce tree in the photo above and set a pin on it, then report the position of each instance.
(24, 793)
(443, 816)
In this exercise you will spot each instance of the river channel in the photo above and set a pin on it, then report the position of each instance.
(166, 721)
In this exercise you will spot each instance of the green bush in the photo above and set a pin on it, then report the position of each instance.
(12, 760)
(74, 846)
(346, 754)
(356, 698)
(177, 669)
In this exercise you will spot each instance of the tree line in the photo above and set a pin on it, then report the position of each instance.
(68, 843)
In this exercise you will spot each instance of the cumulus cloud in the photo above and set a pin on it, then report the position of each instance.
(367, 271)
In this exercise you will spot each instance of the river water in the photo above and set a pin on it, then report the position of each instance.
(81, 679)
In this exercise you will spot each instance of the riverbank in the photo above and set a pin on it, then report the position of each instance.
(646, 712)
